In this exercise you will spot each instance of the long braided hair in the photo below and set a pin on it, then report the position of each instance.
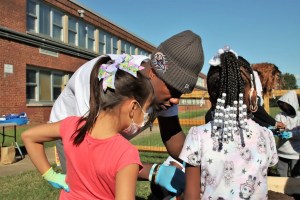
(229, 84)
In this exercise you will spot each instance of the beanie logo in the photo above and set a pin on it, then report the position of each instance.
(160, 62)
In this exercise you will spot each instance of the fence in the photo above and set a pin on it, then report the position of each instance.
(192, 109)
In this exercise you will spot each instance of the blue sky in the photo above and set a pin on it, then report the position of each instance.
(259, 30)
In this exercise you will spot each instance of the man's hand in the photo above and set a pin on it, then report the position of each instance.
(57, 180)
(285, 135)
(169, 177)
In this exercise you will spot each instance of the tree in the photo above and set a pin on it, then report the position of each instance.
(289, 81)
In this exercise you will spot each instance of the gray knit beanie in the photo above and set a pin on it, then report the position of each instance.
(179, 60)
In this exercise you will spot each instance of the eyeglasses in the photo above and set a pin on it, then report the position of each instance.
(146, 115)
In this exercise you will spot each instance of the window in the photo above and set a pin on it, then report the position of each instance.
(57, 85)
(101, 42)
(132, 49)
(115, 45)
(57, 25)
(44, 85)
(81, 34)
(44, 19)
(31, 16)
(108, 44)
(90, 38)
(31, 84)
(127, 48)
(72, 32)
(200, 82)
(123, 47)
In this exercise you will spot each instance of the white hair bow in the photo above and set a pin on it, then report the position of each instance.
(216, 61)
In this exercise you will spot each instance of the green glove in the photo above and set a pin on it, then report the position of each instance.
(57, 180)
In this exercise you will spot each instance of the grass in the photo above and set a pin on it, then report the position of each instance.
(10, 131)
(192, 114)
(30, 185)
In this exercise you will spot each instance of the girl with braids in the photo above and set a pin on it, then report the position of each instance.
(228, 157)
(101, 163)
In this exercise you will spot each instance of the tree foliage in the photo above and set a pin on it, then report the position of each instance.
(289, 81)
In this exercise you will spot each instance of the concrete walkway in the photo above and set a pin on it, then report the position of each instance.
(24, 165)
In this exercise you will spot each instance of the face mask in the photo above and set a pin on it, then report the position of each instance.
(134, 128)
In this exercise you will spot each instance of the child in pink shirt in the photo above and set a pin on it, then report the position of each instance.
(101, 163)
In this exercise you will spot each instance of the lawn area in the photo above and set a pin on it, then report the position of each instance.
(30, 185)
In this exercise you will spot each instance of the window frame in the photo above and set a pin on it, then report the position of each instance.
(65, 76)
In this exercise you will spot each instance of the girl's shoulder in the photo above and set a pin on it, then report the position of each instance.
(72, 118)
(202, 129)
(69, 123)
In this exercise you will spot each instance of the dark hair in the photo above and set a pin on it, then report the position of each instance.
(267, 73)
(126, 86)
(229, 77)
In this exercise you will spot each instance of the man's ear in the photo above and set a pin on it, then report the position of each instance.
(151, 74)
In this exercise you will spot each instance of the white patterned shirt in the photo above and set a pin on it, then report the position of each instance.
(234, 172)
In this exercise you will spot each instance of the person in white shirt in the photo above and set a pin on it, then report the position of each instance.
(173, 70)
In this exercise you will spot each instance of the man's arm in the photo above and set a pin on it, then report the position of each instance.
(171, 134)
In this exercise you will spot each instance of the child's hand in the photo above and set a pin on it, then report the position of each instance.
(280, 125)
(57, 180)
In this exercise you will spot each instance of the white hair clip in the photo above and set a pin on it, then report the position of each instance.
(215, 61)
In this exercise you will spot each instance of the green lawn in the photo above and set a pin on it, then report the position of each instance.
(30, 185)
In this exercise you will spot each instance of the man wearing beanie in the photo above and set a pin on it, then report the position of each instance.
(173, 70)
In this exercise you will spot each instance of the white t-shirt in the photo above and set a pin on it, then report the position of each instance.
(235, 172)
(74, 99)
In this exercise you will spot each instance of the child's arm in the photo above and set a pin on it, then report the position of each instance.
(33, 140)
(126, 182)
(192, 186)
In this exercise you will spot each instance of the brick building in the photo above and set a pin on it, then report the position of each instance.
(42, 42)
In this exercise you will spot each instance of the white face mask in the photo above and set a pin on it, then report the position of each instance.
(134, 128)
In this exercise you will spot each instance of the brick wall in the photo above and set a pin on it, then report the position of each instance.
(13, 14)
(13, 86)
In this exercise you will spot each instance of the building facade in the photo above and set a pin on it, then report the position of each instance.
(42, 43)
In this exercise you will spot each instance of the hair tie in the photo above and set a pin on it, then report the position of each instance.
(216, 61)
(108, 72)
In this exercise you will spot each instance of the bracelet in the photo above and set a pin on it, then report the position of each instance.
(151, 172)
(156, 168)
